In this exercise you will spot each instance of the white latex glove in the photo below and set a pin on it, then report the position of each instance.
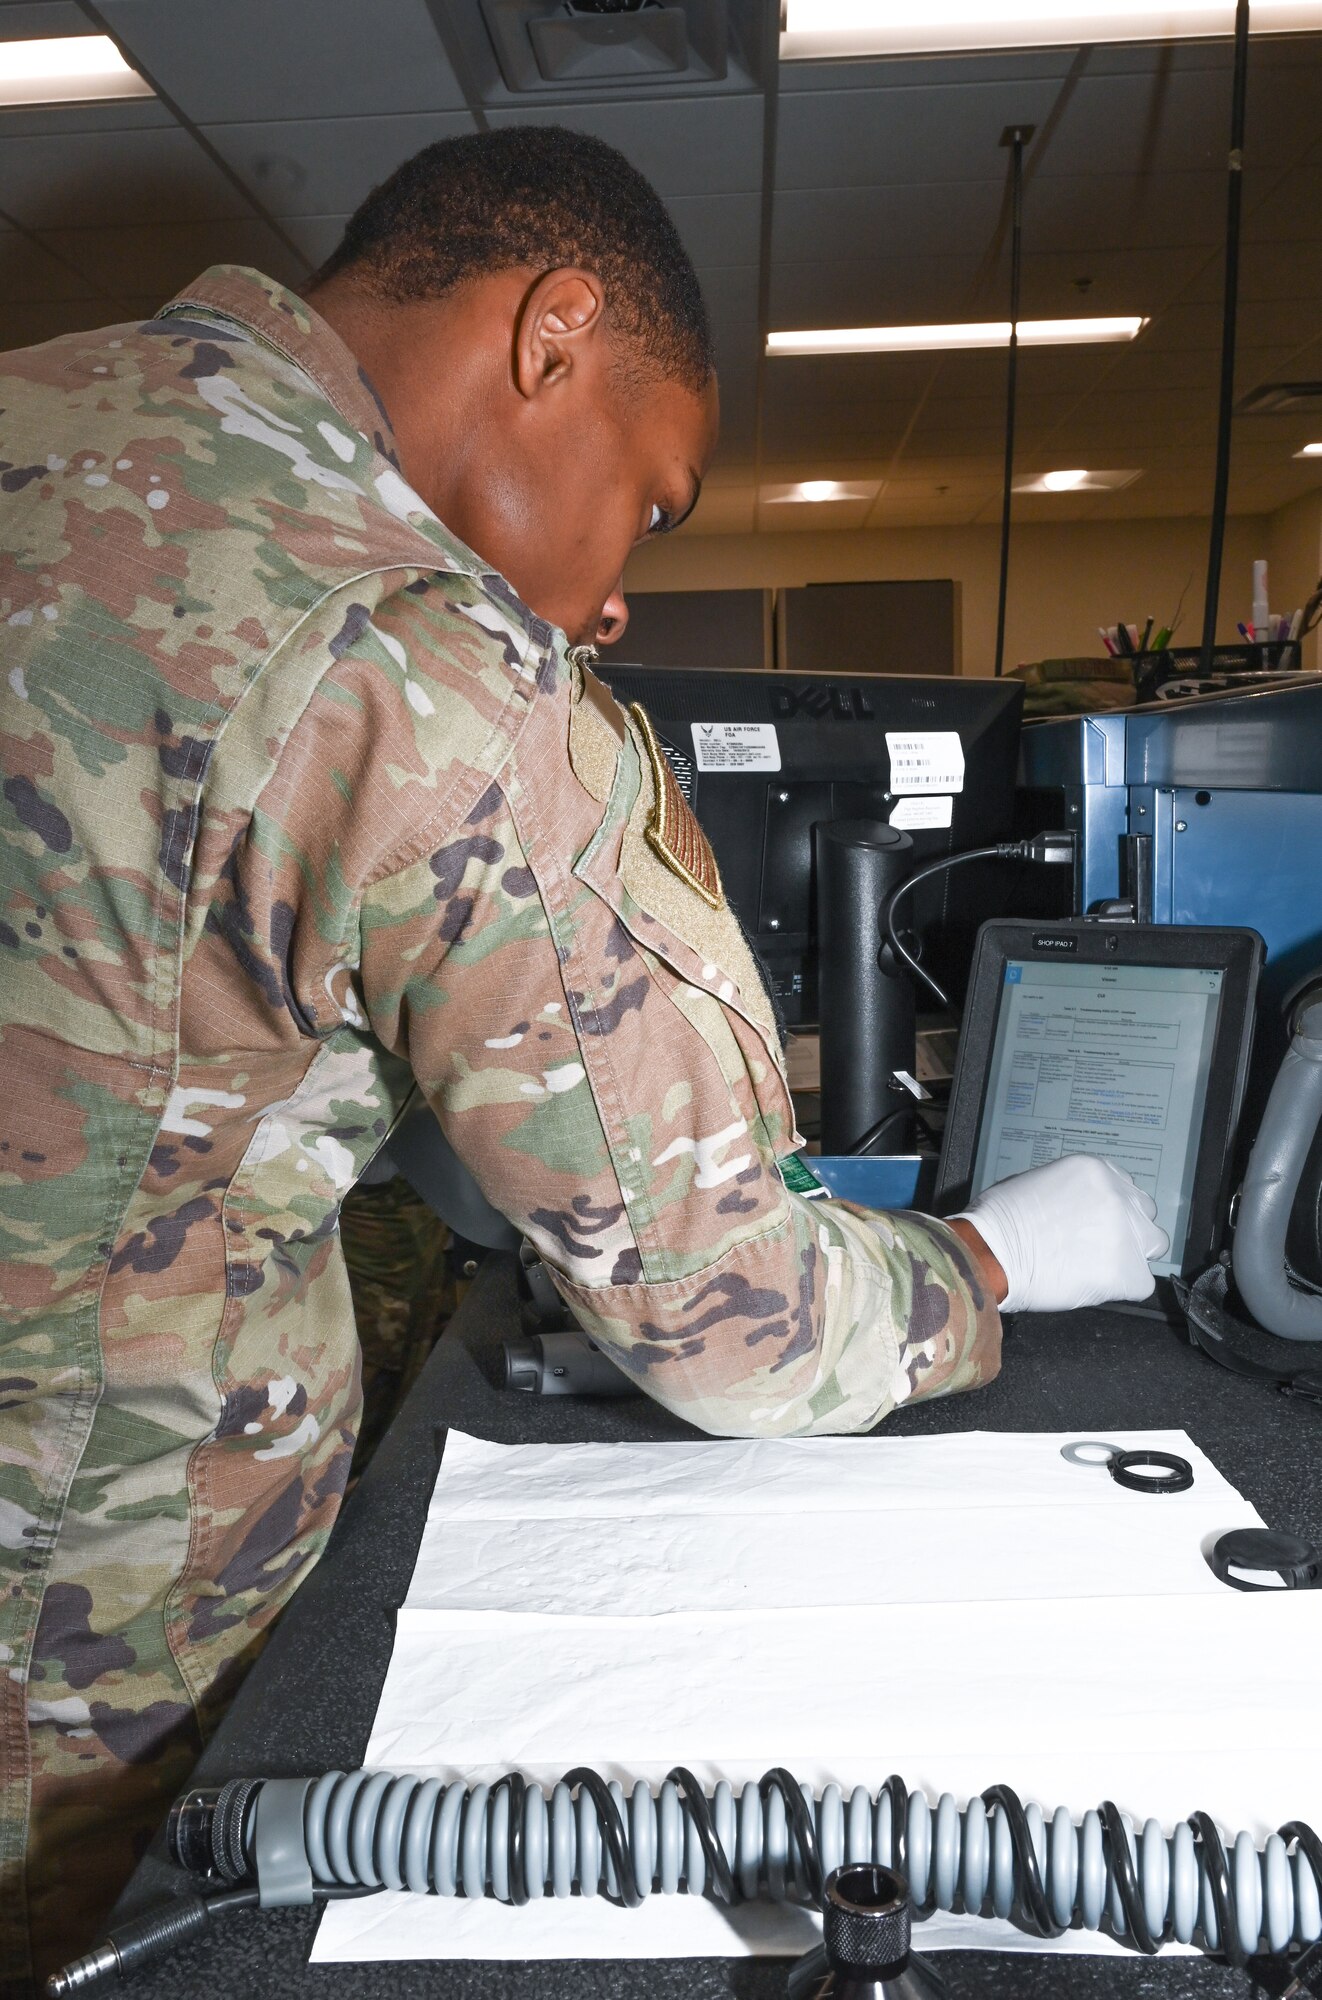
(1074, 1233)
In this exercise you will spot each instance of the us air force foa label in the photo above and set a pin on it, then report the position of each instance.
(926, 760)
(735, 746)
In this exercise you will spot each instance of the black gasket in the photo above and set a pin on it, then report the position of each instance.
(1121, 1470)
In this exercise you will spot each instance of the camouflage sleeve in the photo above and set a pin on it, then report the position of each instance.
(597, 1044)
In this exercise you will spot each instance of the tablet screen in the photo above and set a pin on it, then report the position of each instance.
(1107, 1059)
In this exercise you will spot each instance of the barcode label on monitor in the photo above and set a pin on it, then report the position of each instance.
(929, 760)
(736, 746)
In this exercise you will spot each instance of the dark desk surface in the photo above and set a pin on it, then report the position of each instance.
(308, 1706)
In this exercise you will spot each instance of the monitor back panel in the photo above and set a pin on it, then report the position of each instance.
(820, 752)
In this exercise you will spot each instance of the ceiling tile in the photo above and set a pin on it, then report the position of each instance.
(325, 166)
(26, 325)
(925, 72)
(80, 179)
(880, 223)
(156, 262)
(253, 60)
(919, 290)
(895, 136)
(685, 146)
(719, 229)
(1104, 210)
(120, 114)
(315, 235)
(794, 516)
(33, 20)
(29, 275)
(1178, 120)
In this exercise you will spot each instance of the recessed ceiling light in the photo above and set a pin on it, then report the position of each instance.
(66, 69)
(1075, 482)
(927, 339)
(1310, 451)
(844, 28)
(815, 491)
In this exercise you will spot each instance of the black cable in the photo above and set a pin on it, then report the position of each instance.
(1009, 850)
(1011, 382)
(1229, 312)
(875, 1132)
(611, 1821)
(699, 1814)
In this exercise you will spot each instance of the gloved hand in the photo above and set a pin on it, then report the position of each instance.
(1074, 1233)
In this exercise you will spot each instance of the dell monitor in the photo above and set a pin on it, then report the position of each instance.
(762, 758)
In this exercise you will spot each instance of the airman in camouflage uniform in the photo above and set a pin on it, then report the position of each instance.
(302, 808)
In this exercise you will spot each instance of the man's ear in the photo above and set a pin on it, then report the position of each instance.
(560, 323)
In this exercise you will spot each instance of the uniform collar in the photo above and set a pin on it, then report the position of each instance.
(287, 323)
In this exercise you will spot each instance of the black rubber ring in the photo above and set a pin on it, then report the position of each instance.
(1121, 1464)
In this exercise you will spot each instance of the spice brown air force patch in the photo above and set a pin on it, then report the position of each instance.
(673, 832)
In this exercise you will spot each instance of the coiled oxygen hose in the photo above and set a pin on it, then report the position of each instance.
(516, 1842)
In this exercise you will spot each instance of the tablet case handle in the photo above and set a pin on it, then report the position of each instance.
(1280, 1153)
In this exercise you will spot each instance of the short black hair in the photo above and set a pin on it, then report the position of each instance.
(543, 197)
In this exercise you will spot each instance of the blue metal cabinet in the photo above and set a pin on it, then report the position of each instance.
(1229, 787)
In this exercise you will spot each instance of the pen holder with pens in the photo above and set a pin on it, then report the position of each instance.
(1179, 670)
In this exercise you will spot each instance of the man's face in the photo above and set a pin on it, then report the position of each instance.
(630, 475)
(620, 459)
(551, 444)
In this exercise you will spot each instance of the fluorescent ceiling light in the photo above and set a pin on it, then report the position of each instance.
(66, 69)
(929, 339)
(813, 492)
(1310, 451)
(843, 28)
(1075, 482)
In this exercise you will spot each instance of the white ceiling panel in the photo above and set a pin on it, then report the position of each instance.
(1008, 67)
(1174, 122)
(685, 145)
(30, 275)
(853, 380)
(1267, 53)
(26, 325)
(249, 59)
(719, 229)
(1124, 211)
(1288, 215)
(894, 137)
(794, 516)
(889, 206)
(950, 217)
(883, 291)
(33, 20)
(83, 179)
(121, 114)
(325, 166)
(316, 236)
(156, 262)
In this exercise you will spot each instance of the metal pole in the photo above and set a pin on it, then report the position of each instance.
(1015, 136)
(1229, 312)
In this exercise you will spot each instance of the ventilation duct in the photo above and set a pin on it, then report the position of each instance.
(545, 45)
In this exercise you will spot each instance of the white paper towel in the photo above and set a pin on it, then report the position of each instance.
(964, 1609)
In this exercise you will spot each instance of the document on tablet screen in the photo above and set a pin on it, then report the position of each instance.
(1112, 1060)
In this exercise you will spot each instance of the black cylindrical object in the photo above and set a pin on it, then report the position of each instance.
(864, 1953)
(865, 1000)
